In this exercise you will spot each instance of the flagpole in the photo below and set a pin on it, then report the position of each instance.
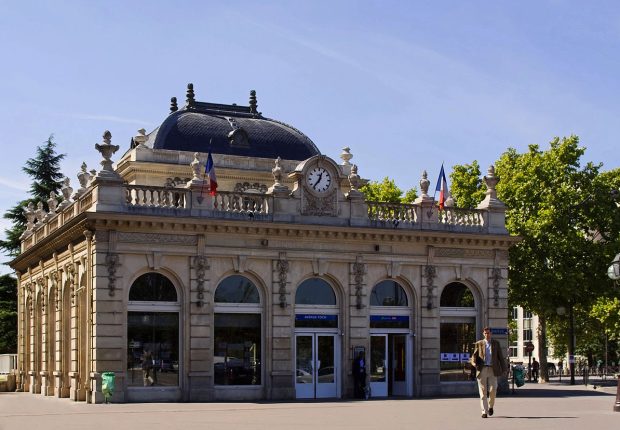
(204, 174)
(434, 195)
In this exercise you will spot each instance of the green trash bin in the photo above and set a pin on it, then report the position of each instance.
(518, 373)
(107, 385)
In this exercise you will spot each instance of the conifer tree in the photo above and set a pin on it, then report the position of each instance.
(44, 170)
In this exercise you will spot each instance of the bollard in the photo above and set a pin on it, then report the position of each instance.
(617, 405)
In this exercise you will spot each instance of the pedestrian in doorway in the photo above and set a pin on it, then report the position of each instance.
(490, 364)
(359, 375)
(535, 369)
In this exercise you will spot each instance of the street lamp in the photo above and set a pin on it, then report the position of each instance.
(614, 273)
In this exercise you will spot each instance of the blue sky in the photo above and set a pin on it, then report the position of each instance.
(406, 85)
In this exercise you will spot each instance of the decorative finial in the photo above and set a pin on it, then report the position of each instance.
(424, 183)
(346, 156)
(140, 138)
(190, 95)
(107, 150)
(253, 102)
(173, 105)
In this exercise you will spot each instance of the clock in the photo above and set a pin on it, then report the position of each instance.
(319, 179)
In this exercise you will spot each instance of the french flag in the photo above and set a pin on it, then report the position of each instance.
(210, 172)
(442, 187)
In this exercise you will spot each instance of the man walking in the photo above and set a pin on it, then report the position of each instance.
(489, 362)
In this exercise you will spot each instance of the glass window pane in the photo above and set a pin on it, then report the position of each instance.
(315, 291)
(152, 349)
(237, 349)
(457, 295)
(153, 287)
(305, 373)
(237, 289)
(457, 339)
(325, 353)
(377, 358)
(388, 293)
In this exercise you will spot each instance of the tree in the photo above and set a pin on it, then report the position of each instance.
(556, 207)
(44, 169)
(467, 188)
(387, 191)
(8, 315)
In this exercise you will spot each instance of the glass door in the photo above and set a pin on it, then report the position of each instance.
(378, 365)
(399, 364)
(316, 370)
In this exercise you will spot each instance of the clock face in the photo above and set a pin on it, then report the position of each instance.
(319, 179)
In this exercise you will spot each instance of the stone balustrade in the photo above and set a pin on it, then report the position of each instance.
(226, 204)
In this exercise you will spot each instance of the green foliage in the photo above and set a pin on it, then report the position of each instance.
(607, 312)
(410, 195)
(44, 169)
(467, 188)
(569, 228)
(387, 191)
(8, 314)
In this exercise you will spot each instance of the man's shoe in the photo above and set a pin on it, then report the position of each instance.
(484, 415)
(491, 411)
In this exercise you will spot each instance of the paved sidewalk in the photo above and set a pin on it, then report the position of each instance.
(533, 407)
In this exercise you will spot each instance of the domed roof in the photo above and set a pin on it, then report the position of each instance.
(230, 129)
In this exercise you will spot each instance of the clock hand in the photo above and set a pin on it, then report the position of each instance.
(318, 180)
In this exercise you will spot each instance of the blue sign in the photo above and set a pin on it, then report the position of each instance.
(399, 318)
(500, 331)
(315, 317)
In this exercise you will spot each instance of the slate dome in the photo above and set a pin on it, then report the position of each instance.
(231, 130)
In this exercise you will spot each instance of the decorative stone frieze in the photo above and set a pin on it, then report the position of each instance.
(429, 273)
(358, 270)
(496, 276)
(282, 268)
(164, 239)
(112, 262)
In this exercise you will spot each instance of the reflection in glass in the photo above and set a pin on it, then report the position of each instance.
(153, 287)
(377, 358)
(237, 349)
(303, 351)
(236, 289)
(152, 349)
(315, 291)
(457, 295)
(325, 354)
(399, 354)
(388, 293)
(458, 338)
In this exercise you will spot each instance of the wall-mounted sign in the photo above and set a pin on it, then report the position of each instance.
(502, 331)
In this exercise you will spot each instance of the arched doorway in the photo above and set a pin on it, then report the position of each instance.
(237, 334)
(390, 364)
(153, 337)
(458, 330)
(317, 341)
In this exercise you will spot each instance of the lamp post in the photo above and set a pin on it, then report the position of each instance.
(571, 339)
(614, 273)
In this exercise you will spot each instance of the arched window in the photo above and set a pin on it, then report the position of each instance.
(457, 295)
(315, 291)
(388, 293)
(236, 289)
(457, 332)
(153, 287)
(237, 332)
(153, 332)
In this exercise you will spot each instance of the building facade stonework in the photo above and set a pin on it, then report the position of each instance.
(257, 291)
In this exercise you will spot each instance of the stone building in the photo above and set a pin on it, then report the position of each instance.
(263, 289)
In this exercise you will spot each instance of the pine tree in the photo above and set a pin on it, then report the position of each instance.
(44, 169)
(8, 314)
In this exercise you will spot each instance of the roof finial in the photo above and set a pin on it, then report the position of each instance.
(253, 103)
(173, 105)
(190, 95)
